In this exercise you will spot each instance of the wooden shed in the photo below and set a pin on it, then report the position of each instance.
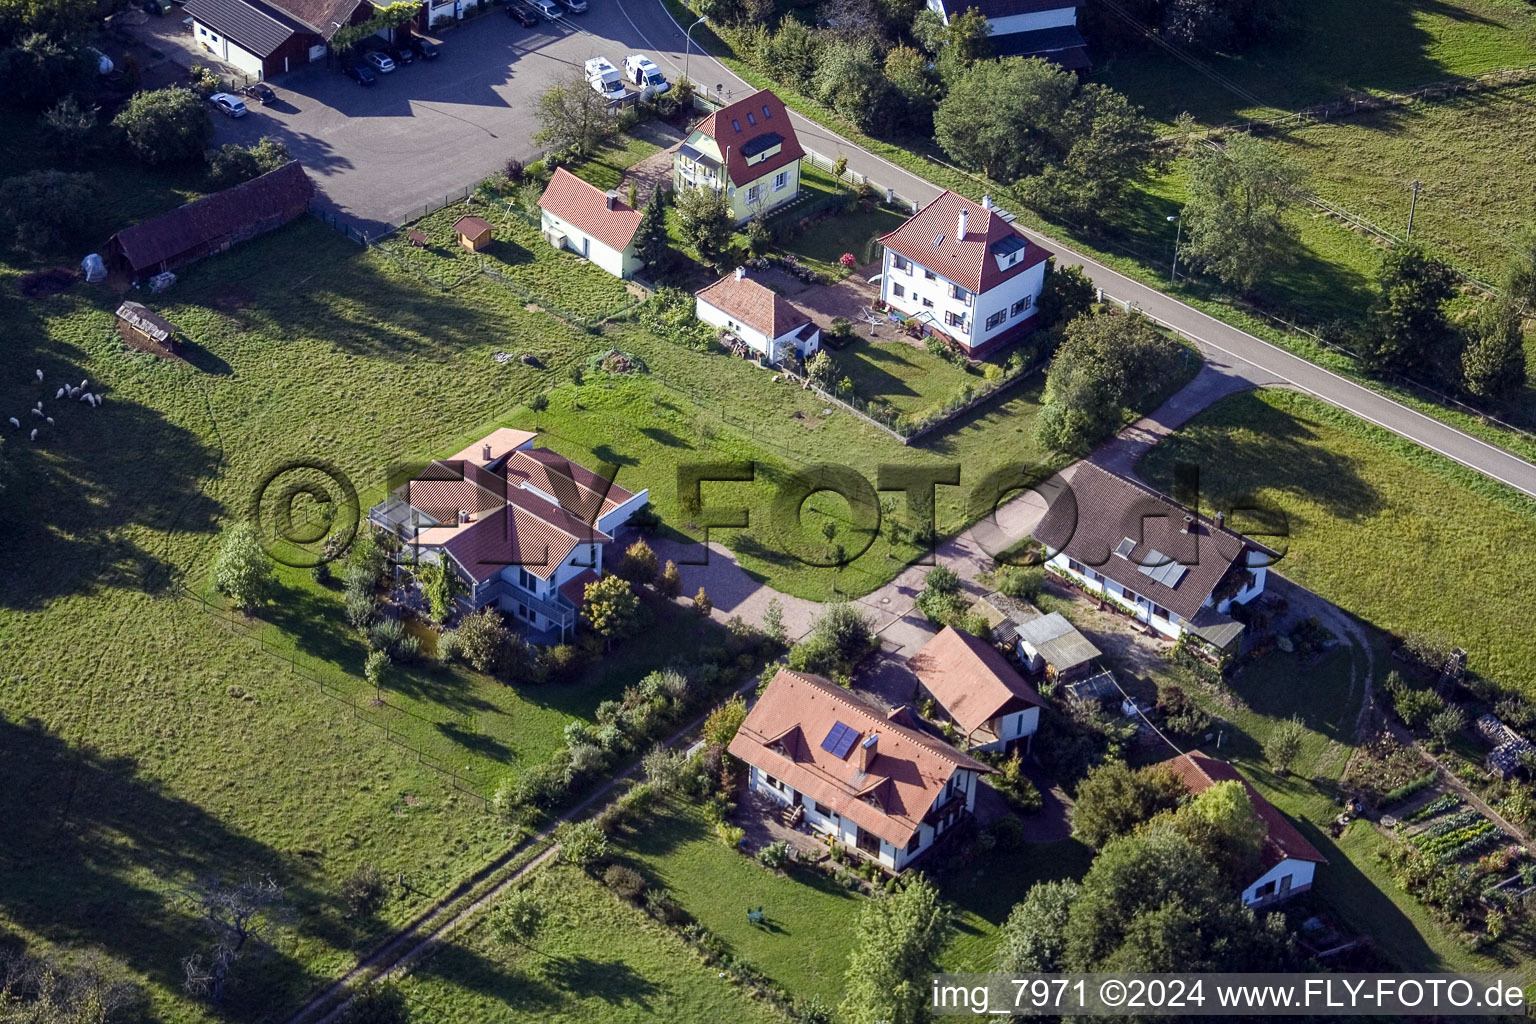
(147, 330)
(474, 233)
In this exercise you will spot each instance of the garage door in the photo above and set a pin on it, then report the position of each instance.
(244, 60)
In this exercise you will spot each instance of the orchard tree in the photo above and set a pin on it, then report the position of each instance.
(1283, 746)
(573, 118)
(1114, 799)
(375, 669)
(1409, 331)
(896, 952)
(70, 131)
(239, 916)
(1233, 224)
(1221, 823)
(611, 608)
(242, 571)
(518, 918)
(166, 126)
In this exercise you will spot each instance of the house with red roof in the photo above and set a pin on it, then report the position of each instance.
(523, 527)
(748, 149)
(1287, 862)
(581, 217)
(879, 786)
(988, 701)
(963, 269)
(762, 318)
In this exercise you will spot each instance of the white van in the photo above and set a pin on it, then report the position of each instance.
(642, 71)
(604, 79)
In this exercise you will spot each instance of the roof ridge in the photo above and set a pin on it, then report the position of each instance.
(839, 694)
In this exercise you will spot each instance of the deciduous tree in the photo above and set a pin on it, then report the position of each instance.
(233, 163)
(239, 915)
(47, 210)
(1232, 221)
(704, 218)
(611, 608)
(166, 126)
(1220, 822)
(1493, 363)
(1114, 799)
(572, 117)
(1107, 362)
(1283, 745)
(896, 949)
(1034, 936)
(242, 571)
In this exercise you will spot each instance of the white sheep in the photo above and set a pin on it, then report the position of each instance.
(36, 412)
(58, 395)
(34, 435)
(39, 374)
(83, 384)
(15, 422)
(49, 419)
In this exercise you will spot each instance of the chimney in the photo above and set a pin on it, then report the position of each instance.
(986, 202)
(867, 751)
(960, 228)
(1221, 520)
(741, 273)
(1189, 524)
(463, 517)
(610, 198)
(485, 452)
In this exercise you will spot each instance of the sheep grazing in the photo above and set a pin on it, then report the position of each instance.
(39, 374)
(85, 397)
(15, 422)
(49, 420)
(58, 395)
(36, 412)
(34, 435)
(83, 384)
(96, 399)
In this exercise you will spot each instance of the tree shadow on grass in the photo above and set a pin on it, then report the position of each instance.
(479, 743)
(872, 380)
(613, 981)
(520, 987)
(81, 835)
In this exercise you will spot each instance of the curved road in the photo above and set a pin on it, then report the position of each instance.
(1242, 354)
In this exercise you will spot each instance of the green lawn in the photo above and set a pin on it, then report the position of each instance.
(809, 935)
(823, 245)
(1330, 48)
(900, 373)
(595, 959)
(605, 168)
(1403, 538)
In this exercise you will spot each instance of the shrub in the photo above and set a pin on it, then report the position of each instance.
(729, 834)
(447, 646)
(387, 635)
(671, 583)
(166, 126)
(1007, 832)
(702, 605)
(639, 565)
(723, 722)
(1406, 790)
(483, 640)
(46, 210)
(1415, 707)
(624, 882)
(581, 843)
(365, 891)
(232, 163)
(774, 855)
(360, 608)
(562, 662)
(1021, 582)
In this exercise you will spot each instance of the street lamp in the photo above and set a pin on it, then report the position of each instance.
(688, 46)
(1177, 220)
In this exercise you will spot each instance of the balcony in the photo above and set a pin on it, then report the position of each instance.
(558, 612)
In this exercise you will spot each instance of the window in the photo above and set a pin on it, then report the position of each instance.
(900, 262)
(735, 124)
(927, 302)
(952, 319)
(899, 291)
(754, 193)
(780, 180)
(1161, 612)
(960, 294)
(1264, 891)
(916, 841)
(767, 113)
(775, 783)
(527, 579)
(750, 118)
(996, 318)
(821, 809)
(1075, 565)
(1023, 304)
(930, 275)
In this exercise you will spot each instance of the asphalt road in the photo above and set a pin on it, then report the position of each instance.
(426, 131)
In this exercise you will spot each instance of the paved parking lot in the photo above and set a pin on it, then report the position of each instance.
(425, 131)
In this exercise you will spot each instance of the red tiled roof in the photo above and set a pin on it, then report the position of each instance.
(586, 207)
(756, 305)
(576, 488)
(970, 679)
(1105, 509)
(783, 733)
(732, 129)
(1285, 842)
(575, 588)
(968, 263)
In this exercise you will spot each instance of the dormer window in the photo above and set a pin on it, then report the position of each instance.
(750, 118)
(767, 114)
(735, 124)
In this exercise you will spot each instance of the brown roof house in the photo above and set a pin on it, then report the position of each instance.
(964, 270)
(1173, 570)
(749, 149)
(268, 37)
(523, 527)
(586, 220)
(870, 782)
(989, 702)
(213, 223)
(1287, 861)
(762, 318)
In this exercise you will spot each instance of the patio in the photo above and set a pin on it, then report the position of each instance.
(761, 819)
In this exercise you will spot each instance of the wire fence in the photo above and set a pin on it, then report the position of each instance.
(300, 666)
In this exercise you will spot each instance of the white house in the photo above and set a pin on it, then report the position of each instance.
(1174, 570)
(963, 269)
(523, 527)
(581, 217)
(765, 320)
(991, 704)
(879, 787)
(1028, 28)
(1287, 862)
(268, 37)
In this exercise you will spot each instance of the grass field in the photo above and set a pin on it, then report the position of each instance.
(822, 246)
(1402, 538)
(595, 959)
(910, 379)
(605, 168)
(1330, 48)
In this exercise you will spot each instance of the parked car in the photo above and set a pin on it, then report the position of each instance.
(642, 71)
(548, 9)
(424, 48)
(228, 103)
(522, 15)
(575, 6)
(401, 55)
(260, 91)
(380, 62)
(361, 75)
(604, 79)
(157, 7)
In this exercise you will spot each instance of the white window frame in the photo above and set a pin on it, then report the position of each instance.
(997, 319)
(754, 192)
(781, 181)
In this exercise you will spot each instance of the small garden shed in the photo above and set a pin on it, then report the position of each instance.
(474, 233)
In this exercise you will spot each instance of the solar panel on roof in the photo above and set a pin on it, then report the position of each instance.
(1125, 548)
(840, 739)
(1165, 570)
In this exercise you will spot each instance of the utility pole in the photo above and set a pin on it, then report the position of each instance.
(1178, 231)
(1413, 205)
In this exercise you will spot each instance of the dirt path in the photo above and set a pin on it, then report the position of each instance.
(1407, 739)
